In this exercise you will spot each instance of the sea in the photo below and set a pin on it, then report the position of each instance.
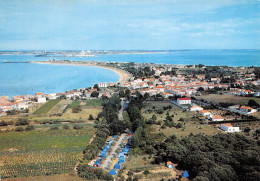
(28, 78)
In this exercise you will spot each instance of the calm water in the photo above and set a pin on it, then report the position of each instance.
(17, 79)
(20, 79)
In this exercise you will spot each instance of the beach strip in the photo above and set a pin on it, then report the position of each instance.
(124, 76)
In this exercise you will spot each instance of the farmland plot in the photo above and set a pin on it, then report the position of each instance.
(37, 152)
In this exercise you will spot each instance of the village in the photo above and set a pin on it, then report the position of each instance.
(229, 104)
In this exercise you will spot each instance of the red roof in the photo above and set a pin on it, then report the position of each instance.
(182, 99)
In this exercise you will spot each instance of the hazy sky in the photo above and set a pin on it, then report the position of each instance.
(129, 24)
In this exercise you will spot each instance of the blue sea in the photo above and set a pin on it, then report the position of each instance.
(20, 79)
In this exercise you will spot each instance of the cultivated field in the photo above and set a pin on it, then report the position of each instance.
(45, 108)
(227, 99)
(42, 151)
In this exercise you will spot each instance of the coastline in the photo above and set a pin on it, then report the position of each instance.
(123, 75)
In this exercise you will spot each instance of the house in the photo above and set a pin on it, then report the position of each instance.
(247, 110)
(20, 105)
(227, 127)
(52, 96)
(204, 112)
(216, 117)
(41, 99)
(195, 108)
(102, 85)
(186, 100)
(3, 113)
(169, 164)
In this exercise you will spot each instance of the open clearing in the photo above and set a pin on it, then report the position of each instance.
(228, 99)
(42, 152)
(190, 125)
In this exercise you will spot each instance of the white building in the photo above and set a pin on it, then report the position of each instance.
(21, 105)
(204, 112)
(216, 117)
(184, 101)
(247, 110)
(52, 96)
(227, 127)
(102, 85)
(41, 99)
(196, 108)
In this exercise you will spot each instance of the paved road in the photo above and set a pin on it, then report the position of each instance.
(108, 160)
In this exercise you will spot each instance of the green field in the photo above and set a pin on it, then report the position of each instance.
(72, 105)
(95, 102)
(41, 151)
(228, 99)
(190, 124)
(45, 108)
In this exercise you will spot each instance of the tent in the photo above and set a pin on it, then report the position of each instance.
(121, 154)
(185, 174)
(115, 136)
(103, 154)
(169, 164)
(112, 172)
(121, 160)
(97, 164)
(117, 166)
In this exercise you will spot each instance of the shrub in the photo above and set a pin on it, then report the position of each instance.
(66, 127)
(21, 121)
(54, 128)
(19, 129)
(29, 128)
(77, 126)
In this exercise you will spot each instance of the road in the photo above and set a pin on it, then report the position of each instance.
(120, 114)
(119, 142)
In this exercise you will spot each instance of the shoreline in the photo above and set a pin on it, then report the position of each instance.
(123, 75)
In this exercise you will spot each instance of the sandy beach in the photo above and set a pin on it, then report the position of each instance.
(124, 76)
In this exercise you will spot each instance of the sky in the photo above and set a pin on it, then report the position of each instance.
(129, 24)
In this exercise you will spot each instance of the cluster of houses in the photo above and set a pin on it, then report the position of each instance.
(24, 101)
(167, 85)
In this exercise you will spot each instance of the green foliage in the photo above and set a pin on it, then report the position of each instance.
(95, 102)
(45, 108)
(86, 172)
(76, 109)
(21, 122)
(219, 157)
(90, 117)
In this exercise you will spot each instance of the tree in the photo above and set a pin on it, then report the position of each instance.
(90, 117)
(252, 102)
(247, 130)
(94, 94)
(21, 121)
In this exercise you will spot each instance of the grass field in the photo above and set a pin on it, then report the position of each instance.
(95, 102)
(227, 99)
(42, 152)
(44, 109)
(190, 124)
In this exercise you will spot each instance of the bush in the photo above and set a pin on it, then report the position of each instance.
(54, 128)
(29, 128)
(66, 127)
(19, 129)
(90, 117)
(21, 122)
(77, 126)
(76, 109)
